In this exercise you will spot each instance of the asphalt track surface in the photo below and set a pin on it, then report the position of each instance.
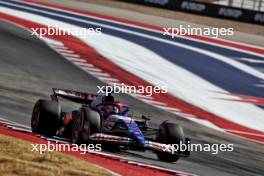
(29, 69)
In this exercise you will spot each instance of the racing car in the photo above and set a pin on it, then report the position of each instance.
(102, 119)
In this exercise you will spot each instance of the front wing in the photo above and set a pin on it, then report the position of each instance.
(151, 145)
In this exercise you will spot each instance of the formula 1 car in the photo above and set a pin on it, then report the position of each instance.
(101, 119)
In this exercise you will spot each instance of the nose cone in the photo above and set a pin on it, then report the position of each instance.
(136, 133)
(139, 137)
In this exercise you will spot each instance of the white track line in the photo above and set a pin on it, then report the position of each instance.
(90, 69)
(52, 42)
(73, 59)
(60, 50)
(169, 108)
(14, 124)
(58, 47)
(108, 79)
(99, 74)
(85, 65)
(19, 129)
(242, 132)
(154, 102)
(139, 96)
(185, 114)
(255, 61)
(70, 55)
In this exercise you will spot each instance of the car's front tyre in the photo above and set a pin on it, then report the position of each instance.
(170, 133)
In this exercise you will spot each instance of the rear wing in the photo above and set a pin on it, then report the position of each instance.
(75, 96)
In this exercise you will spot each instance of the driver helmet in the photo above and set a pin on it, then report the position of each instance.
(110, 109)
(109, 98)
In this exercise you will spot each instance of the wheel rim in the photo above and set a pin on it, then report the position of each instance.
(86, 130)
(77, 128)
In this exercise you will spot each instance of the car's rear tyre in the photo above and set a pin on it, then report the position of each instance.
(45, 117)
(85, 123)
(170, 134)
